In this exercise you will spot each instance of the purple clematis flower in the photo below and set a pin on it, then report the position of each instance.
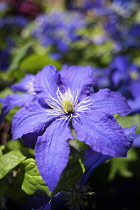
(68, 102)
(12, 100)
(122, 70)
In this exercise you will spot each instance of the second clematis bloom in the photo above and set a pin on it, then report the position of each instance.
(25, 86)
(65, 101)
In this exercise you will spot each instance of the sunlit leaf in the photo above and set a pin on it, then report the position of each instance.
(128, 121)
(9, 161)
(11, 113)
(18, 145)
(33, 182)
(119, 166)
(5, 92)
(36, 62)
(20, 53)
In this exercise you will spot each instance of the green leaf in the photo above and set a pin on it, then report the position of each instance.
(5, 81)
(120, 166)
(33, 181)
(11, 113)
(20, 53)
(5, 92)
(18, 145)
(36, 62)
(128, 121)
(9, 161)
(14, 191)
(14, 145)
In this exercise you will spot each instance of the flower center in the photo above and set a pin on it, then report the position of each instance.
(64, 103)
(67, 106)
(134, 75)
(67, 103)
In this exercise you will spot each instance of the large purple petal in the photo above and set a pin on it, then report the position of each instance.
(52, 152)
(77, 78)
(25, 85)
(102, 132)
(110, 102)
(31, 119)
(91, 160)
(47, 82)
(15, 100)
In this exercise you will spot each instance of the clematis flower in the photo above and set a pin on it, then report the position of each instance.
(68, 102)
(122, 70)
(25, 86)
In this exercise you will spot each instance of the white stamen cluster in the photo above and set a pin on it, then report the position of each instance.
(67, 104)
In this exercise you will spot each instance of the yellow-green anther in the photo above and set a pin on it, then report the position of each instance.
(67, 106)
(134, 75)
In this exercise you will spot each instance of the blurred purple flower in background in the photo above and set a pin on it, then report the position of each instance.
(125, 79)
(122, 36)
(58, 29)
(122, 76)
(122, 70)
(116, 21)
(67, 99)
